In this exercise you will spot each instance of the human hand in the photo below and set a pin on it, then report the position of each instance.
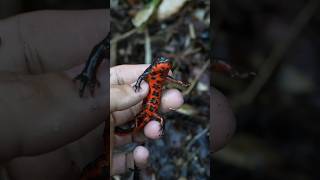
(45, 127)
(222, 121)
(125, 104)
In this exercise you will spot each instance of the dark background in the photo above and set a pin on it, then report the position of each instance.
(278, 123)
(169, 157)
(278, 131)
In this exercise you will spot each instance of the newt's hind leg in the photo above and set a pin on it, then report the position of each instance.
(161, 121)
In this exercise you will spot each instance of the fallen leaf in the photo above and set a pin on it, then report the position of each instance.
(169, 7)
(144, 15)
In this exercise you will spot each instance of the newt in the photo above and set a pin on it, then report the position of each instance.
(88, 76)
(156, 75)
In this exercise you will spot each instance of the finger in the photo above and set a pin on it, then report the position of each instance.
(121, 117)
(171, 99)
(153, 130)
(124, 96)
(223, 125)
(126, 74)
(125, 161)
(141, 156)
(38, 44)
(129, 138)
(121, 163)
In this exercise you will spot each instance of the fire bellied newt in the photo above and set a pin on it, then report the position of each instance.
(155, 75)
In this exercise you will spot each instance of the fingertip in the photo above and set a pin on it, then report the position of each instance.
(171, 99)
(153, 130)
(141, 156)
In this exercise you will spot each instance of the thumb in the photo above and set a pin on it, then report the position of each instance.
(124, 96)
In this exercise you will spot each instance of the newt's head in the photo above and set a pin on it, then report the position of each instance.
(163, 63)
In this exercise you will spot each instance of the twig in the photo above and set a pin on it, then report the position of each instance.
(276, 55)
(147, 47)
(123, 36)
(195, 138)
(192, 31)
(189, 52)
(114, 42)
(113, 54)
(194, 82)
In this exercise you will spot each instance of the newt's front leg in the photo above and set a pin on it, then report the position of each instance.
(137, 85)
(88, 76)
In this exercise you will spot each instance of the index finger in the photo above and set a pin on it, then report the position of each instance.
(126, 74)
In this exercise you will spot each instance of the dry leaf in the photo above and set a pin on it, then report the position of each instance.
(169, 7)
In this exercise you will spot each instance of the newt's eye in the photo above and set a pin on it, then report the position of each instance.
(162, 58)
